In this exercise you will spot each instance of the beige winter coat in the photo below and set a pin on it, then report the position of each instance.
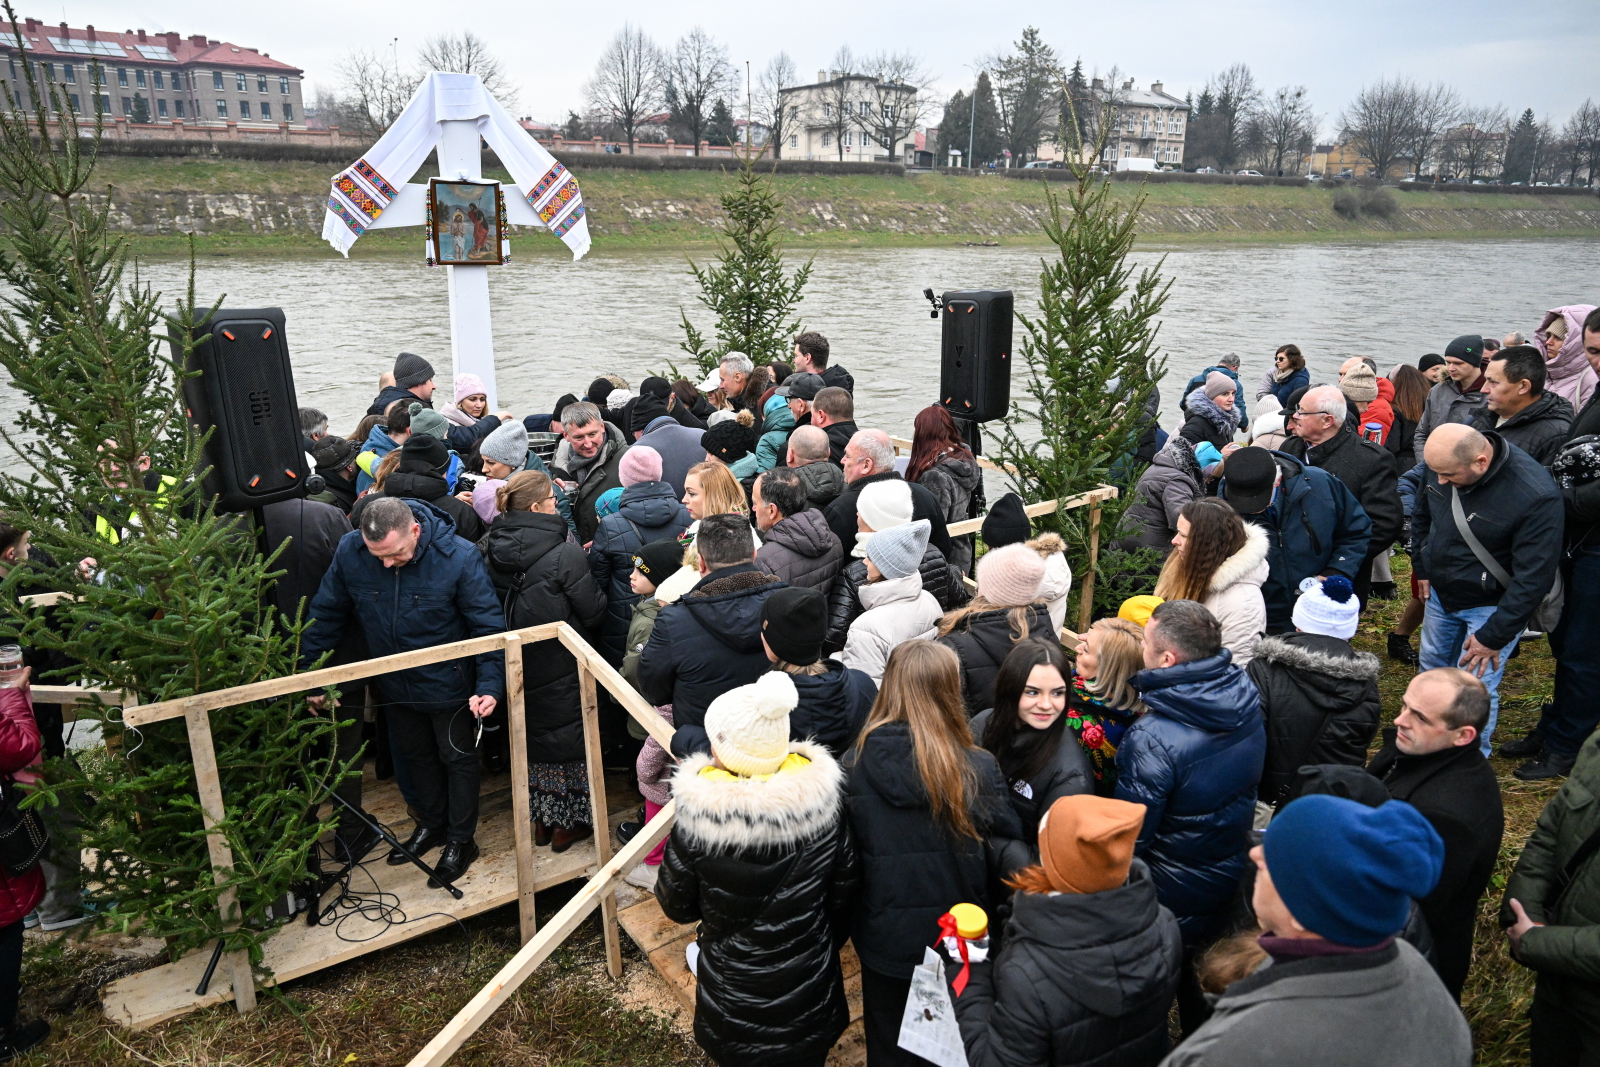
(1235, 597)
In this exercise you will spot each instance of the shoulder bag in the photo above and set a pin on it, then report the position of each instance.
(1548, 613)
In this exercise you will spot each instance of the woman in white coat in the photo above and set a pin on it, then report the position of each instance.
(1221, 561)
(898, 609)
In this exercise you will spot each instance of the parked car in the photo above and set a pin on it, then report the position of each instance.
(1206, 170)
(1313, 177)
(1249, 173)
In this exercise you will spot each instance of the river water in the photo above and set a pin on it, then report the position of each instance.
(559, 324)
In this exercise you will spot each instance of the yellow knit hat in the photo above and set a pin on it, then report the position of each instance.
(1138, 609)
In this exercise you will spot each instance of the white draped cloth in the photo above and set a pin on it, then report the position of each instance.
(361, 192)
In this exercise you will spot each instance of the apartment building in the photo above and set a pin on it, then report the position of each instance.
(847, 118)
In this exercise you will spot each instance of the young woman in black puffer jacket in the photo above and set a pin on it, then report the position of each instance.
(762, 858)
(1003, 613)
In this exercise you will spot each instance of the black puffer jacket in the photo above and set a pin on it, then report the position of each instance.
(823, 481)
(843, 513)
(432, 488)
(913, 869)
(1540, 429)
(844, 596)
(542, 577)
(768, 869)
(1066, 774)
(648, 512)
(704, 645)
(1320, 700)
(803, 551)
(954, 482)
(1081, 979)
(983, 640)
(833, 706)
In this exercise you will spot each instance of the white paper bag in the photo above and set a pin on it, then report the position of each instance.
(928, 1028)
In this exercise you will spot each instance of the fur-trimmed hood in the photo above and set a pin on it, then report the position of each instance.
(1249, 564)
(1357, 666)
(1048, 544)
(790, 806)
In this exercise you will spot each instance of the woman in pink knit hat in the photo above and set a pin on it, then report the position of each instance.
(1004, 612)
(471, 402)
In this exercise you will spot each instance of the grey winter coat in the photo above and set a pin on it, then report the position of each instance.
(953, 481)
(593, 478)
(1172, 480)
(1447, 402)
(803, 551)
(1348, 1010)
(1540, 429)
(823, 481)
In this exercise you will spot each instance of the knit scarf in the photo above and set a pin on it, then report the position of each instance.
(1284, 375)
(1099, 729)
(1226, 422)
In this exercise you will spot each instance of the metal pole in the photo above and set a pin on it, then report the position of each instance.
(972, 122)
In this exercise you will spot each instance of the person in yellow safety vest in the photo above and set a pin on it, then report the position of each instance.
(110, 530)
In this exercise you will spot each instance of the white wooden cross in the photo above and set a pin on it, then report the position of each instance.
(450, 112)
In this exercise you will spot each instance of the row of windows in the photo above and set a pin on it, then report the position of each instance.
(156, 79)
(242, 82)
(1169, 154)
(1169, 124)
(864, 110)
(264, 113)
(846, 139)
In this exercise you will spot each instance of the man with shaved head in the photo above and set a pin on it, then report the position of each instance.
(1486, 539)
(1323, 438)
(821, 478)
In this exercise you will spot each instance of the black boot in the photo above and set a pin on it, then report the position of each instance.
(1384, 591)
(454, 861)
(19, 1037)
(1529, 744)
(1547, 765)
(421, 842)
(1400, 649)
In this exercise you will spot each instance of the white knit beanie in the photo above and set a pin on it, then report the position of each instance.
(1009, 577)
(749, 726)
(885, 504)
(1329, 607)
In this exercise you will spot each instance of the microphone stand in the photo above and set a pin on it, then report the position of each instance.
(314, 912)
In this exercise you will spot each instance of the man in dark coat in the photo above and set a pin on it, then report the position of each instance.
(1430, 759)
(413, 381)
(833, 411)
(336, 463)
(869, 458)
(710, 640)
(807, 456)
(586, 463)
(1315, 525)
(1323, 438)
(797, 544)
(1519, 409)
(1476, 612)
(423, 474)
(409, 582)
(811, 355)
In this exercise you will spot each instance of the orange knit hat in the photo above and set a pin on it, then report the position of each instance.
(1086, 842)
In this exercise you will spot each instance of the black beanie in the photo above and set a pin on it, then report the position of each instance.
(1468, 348)
(424, 453)
(657, 387)
(794, 622)
(659, 560)
(646, 408)
(561, 405)
(410, 370)
(729, 441)
(1007, 522)
(1432, 359)
(599, 389)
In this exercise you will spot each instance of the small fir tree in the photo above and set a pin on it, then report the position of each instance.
(141, 109)
(170, 599)
(747, 289)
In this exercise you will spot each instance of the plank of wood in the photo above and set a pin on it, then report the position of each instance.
(71, 695)
(649, 926)
(521, 803)
(273, 688)
(641, 709)
(208, 785)
(1046, 507)
(590, 703)
(526, 961)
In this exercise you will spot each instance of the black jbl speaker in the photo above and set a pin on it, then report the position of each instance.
(975, 354)
(244, 394)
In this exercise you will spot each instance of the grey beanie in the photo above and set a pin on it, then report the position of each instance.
(898, 551)
(411, 370)
(508, 445)
(426, 420)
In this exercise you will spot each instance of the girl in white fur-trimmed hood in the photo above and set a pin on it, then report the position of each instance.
(761, 857)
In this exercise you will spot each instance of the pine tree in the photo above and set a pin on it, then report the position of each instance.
(172, 599)
(1092, 364)
(720, 130)
(1521, 148)
(1077, 91)
(141, 109)
(746, 289)
(953, 129)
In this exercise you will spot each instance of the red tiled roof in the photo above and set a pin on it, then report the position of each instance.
(160, 49)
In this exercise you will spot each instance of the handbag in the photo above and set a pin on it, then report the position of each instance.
(23, 837)
(1548, 613)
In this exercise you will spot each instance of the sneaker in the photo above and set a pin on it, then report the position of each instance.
(1400, 649)
(627, 831)
(20, 1037)
(30, 920)
(1527, 746)
(1547, 765)
(643, 877)
(67, 923)
(1384, 591)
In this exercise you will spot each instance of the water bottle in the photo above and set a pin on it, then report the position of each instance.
(10, 666)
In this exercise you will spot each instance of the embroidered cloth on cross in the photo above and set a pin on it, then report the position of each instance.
(361, 191)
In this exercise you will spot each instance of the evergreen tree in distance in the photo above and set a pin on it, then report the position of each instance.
(1522, 147)
(141, 109)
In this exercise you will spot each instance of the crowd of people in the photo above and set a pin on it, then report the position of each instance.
(875, 721)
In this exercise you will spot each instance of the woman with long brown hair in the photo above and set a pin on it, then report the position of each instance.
(1005, 611)
(1288, 373)
(943, 464)
(926, 804)
(1221, 561)
(1410, 397)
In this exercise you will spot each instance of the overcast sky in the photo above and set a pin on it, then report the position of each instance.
(1543, 55)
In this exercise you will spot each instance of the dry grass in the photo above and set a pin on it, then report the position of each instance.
(1498, 989)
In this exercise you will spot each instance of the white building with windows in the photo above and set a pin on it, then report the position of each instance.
(1147, 123)
(845, 118)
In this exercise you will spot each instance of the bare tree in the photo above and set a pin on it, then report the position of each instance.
(1281, 128)
(1583, 129)
(1436, 108)
(1237, 97)
(1104, 116)
(1379, 123)
(1476, 145)
(1025, 91)
(700, 74)
(769, 105)
(467, 53)
(627, 82)
(837, 101)
(371, 91)
(889, 107)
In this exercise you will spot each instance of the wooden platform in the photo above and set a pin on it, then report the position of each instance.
(664, 942)
(296, 949)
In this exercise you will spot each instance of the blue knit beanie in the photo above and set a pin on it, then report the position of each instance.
(1349, 872)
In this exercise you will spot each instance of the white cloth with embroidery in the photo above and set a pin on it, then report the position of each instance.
(361, 192)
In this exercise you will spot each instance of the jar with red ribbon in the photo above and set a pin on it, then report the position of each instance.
(965, 932)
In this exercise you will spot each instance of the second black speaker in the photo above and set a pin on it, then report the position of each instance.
(975, 354)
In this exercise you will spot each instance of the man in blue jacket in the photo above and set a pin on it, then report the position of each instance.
(1229, 365)
(409, 582)
(1315, 525)
(1476, 607)
(1193, 761)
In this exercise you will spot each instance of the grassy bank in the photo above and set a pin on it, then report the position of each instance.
(276, 208)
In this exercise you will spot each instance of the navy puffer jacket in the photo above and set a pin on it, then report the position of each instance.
(649, 511)
(1194, 760)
